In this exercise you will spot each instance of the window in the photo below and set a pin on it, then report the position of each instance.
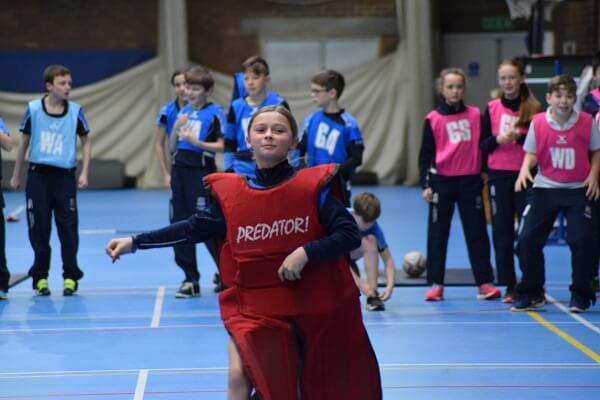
(294, 61)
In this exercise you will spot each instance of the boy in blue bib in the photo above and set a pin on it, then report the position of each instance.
(50, 127)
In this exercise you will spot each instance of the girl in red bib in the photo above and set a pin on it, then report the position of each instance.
(289, 304)
(503, 128)
(564, 144)
(450, 169)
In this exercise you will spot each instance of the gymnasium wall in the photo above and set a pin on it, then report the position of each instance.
(578, 22)
(572, 21)
(217, 39)
(95, 39)
(80, 24)
(215, 35)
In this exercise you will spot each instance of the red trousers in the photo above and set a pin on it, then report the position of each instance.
(309, 357)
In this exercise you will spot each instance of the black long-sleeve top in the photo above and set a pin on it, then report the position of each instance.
(487, 141)
(342, 235)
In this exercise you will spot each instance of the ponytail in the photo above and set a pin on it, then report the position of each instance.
(528, 108)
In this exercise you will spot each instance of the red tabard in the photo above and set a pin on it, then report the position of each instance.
(263, 227)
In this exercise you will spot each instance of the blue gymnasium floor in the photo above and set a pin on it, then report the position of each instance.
(125, 336)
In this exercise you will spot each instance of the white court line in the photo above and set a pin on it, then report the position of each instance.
(220, 325)
(105, 329)
(98, 231)
(576, 317)
(110, 231)
(213, 370)
(17, 211)
(16, 317)
(140, 388)
(458, 323)
(391, 367)
(160, 296)
(120, 317)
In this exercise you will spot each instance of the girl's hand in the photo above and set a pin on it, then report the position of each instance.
(293, 265)
(506, 137)
(427, 194)
(116, 247)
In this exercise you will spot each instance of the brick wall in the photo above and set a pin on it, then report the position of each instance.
(215, 39)
(71, 24)
(214, 31)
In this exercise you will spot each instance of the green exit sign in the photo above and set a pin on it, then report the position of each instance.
(497, 23)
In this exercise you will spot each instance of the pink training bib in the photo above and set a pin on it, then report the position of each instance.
(457, 142)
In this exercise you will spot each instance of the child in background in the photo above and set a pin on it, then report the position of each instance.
(366, 209)
(166, 120)
(292, 310)
(330, 134)
(450, 168)
(196, 136)
(591, 104)
(52, 124)
(238, 156)
(239, 90)
(6, 144)
(559, 142)
(503, 128)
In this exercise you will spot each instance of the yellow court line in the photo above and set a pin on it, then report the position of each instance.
(568, 338)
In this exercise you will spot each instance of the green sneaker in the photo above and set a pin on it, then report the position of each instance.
(69, 287)
(41, 288)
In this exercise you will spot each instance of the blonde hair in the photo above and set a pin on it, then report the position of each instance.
(447, 71)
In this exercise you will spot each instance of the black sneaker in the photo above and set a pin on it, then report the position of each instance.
(218, 283)
(188, 289)
(528, 304)
(374, 303)
(577, 305)
(41, 288)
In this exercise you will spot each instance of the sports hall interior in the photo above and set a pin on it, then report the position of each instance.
(124, 335)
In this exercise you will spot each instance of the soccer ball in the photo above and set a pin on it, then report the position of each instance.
(414, 264)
